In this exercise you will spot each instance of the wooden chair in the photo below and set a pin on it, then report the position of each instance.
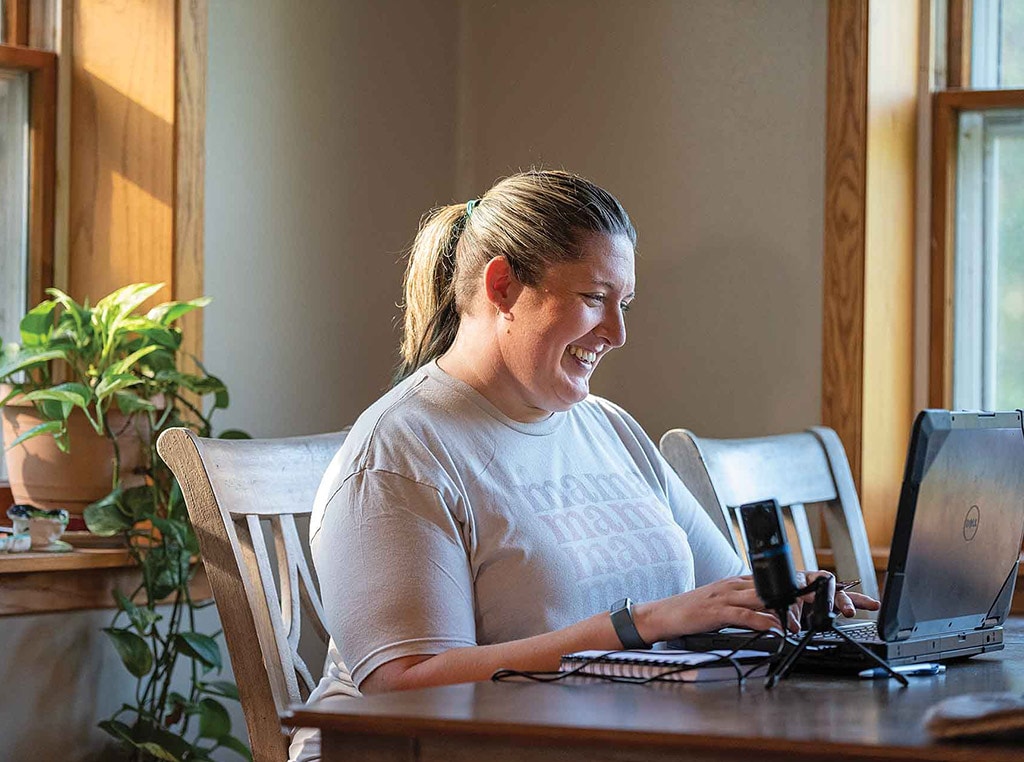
(798, 470)
(232, 488)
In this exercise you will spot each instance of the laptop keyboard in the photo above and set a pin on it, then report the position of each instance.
(867, 632)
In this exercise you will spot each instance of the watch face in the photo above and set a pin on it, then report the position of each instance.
(624, 603)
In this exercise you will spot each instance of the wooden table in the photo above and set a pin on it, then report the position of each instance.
(804, 717)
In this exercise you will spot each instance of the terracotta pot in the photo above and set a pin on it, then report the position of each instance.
(43, 476)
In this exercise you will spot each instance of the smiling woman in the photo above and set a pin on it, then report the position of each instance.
(489, 512)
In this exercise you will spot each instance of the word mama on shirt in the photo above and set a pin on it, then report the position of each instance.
(619, 536)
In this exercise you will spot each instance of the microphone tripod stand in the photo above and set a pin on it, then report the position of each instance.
(822, 619)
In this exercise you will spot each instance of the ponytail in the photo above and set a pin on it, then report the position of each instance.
(431, 317)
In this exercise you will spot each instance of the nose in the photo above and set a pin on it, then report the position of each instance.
(612, 329)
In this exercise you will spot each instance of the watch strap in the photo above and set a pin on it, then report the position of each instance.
(622, 620)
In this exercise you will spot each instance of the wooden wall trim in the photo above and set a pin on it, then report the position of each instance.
(42, 177)
(845, 217)
(958, 43)
(940, 352)
(16, 22)
(189, 163)
(870, 214)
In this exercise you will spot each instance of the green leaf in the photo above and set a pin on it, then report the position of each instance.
(172, 530)
(214, 721)
(168, 312)
(160, 360)
(132, 649)
(128, 403)
(27, 358)
(37, 325)
(54, 411)
(105, 518)
(77, 314)
(224, 688)
(138, 503)
(118, 730)
(115, 382)
(200, 647)
(158, 751)
(75, 394)
(121, 303)
(164, 583)
(230, 742)
(202, 385)
(123, 366)
(141, 617)
(47, 427)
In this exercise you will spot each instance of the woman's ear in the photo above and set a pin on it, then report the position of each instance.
(501, 285)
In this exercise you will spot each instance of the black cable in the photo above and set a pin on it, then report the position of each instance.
(664, 676)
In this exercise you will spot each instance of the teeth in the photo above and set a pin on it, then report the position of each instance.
(583, 354)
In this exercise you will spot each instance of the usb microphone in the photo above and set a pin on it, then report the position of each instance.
(771, 562)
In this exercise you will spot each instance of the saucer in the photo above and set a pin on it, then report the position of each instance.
(57, 546)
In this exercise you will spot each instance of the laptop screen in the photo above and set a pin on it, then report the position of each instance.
(959, 527)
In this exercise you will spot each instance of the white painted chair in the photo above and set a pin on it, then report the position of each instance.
(802, 470)
(232, 489)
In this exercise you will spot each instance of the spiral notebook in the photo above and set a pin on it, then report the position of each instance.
(665, 666)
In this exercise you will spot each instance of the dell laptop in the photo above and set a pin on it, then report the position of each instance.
(954, 556)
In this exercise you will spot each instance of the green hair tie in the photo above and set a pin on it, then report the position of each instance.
(470, 206)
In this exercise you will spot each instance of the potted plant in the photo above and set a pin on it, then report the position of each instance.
(103, 375)
(90, 375)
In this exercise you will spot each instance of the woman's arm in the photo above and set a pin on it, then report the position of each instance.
(730, 601)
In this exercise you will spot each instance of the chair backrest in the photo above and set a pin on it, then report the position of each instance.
(799, 470)
(233, 489)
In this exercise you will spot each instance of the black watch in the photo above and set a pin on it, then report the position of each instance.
(625, 627)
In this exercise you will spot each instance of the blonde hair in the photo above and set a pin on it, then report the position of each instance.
(533, 219)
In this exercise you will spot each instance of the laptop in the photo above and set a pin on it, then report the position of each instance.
(954, 556)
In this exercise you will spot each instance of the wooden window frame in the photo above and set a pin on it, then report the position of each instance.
(947, 105)
(41, 67)
(16, 27)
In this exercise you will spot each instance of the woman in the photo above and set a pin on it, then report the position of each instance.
(487, 510)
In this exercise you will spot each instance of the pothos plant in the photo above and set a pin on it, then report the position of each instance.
(95, 359)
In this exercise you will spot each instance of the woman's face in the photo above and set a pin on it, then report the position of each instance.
(561, 329)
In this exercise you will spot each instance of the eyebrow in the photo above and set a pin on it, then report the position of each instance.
(611, 287)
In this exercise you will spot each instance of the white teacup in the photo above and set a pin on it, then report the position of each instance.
(44, 527)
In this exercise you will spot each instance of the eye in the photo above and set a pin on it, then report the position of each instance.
(594, 299)
(625, 306)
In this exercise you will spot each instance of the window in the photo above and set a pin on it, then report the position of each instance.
(977, 342)
(27, 145)
(14, 167)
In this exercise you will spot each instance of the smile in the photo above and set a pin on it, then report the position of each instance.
(585, 355)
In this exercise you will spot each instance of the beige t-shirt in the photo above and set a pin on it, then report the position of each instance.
(443, 523)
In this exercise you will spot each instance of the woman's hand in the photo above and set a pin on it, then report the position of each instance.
(843, 601)
(730, 602)
(733, 602)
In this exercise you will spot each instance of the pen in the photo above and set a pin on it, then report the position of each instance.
(846, 584)
(925, 669)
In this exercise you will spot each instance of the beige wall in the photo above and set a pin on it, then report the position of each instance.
(707, 120)
(705, 117)
(330, 130)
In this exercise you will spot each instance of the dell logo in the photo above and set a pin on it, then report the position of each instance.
(971, 522)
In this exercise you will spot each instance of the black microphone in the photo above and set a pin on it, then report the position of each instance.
(771, 562)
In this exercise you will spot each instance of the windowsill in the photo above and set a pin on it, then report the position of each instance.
(39, 583)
